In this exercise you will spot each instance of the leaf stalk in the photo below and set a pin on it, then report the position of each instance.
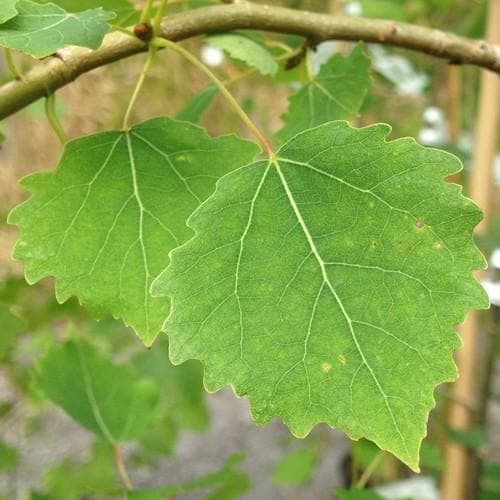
(161, 42)
(51, 114)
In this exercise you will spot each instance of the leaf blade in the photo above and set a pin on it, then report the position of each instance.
(103, 221)
(72, 375)
(336, 93)
(332, 288)
(41, 30)
(8, 10)
(243, 48)
(126, 14)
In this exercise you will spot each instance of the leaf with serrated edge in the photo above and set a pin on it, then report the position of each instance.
(41, 30)
(244, 48)
(335, 93)
(7, 10)
(104, 221)
(325, 285)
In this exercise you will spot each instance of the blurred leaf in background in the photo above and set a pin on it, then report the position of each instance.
(73, 481)
(109, 400)
(11, 326)
(248, 47)
(9, 457)
(296, 468)
(228, 483)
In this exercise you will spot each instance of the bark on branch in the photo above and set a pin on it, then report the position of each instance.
(55, 72)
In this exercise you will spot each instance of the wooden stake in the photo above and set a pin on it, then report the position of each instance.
(458, 475)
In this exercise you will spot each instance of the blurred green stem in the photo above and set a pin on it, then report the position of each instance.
(146, 12)
(11, 66)
(372, 466)
(120, 466)
(50, 112)
(161, 42)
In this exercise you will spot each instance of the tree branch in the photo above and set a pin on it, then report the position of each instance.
(55, 72)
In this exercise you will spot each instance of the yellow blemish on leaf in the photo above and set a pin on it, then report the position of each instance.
(438, 245)
(326, 367)
(180, 157)
(419, 223)
(342, 359)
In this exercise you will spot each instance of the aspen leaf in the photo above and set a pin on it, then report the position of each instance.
(104, 221)
(109, 400)
(335, 93)
(325, 284)
(41, 30)
(126, 14)
(243, 47)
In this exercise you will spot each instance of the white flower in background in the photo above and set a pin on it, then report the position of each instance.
(496, 173)
(353, 9)
(435, 128)
(491, 282)
(211, 56)
(322, 53)
(399, 71)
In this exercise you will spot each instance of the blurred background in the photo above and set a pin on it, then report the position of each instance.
(45, 454)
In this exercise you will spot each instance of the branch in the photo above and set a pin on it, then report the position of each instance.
(55, 72)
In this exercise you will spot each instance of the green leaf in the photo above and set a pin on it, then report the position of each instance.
(336, 93)
(11, 326)
(367, 454)
(296, 468)
(325, 285)
(104, 221)
(430, 456)
(126, 14)
(193, 110)
(230, 483)
(8, 10)
(9, 457)
(356, 494)
(471, 438)
(41, 30)
(109, 400)
(73, 481)
(161, 435)
(181, 386)
(244, 48)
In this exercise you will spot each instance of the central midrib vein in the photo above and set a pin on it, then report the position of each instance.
(326, 279)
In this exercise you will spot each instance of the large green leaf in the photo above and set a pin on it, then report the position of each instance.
(326, 283)
(126, 14)
(7, 10)
(40, 30)
(335, 93)
(245, 48)
(104, 221)
(110, 400)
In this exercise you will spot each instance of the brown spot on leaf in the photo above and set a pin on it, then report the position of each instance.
(419, 223)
